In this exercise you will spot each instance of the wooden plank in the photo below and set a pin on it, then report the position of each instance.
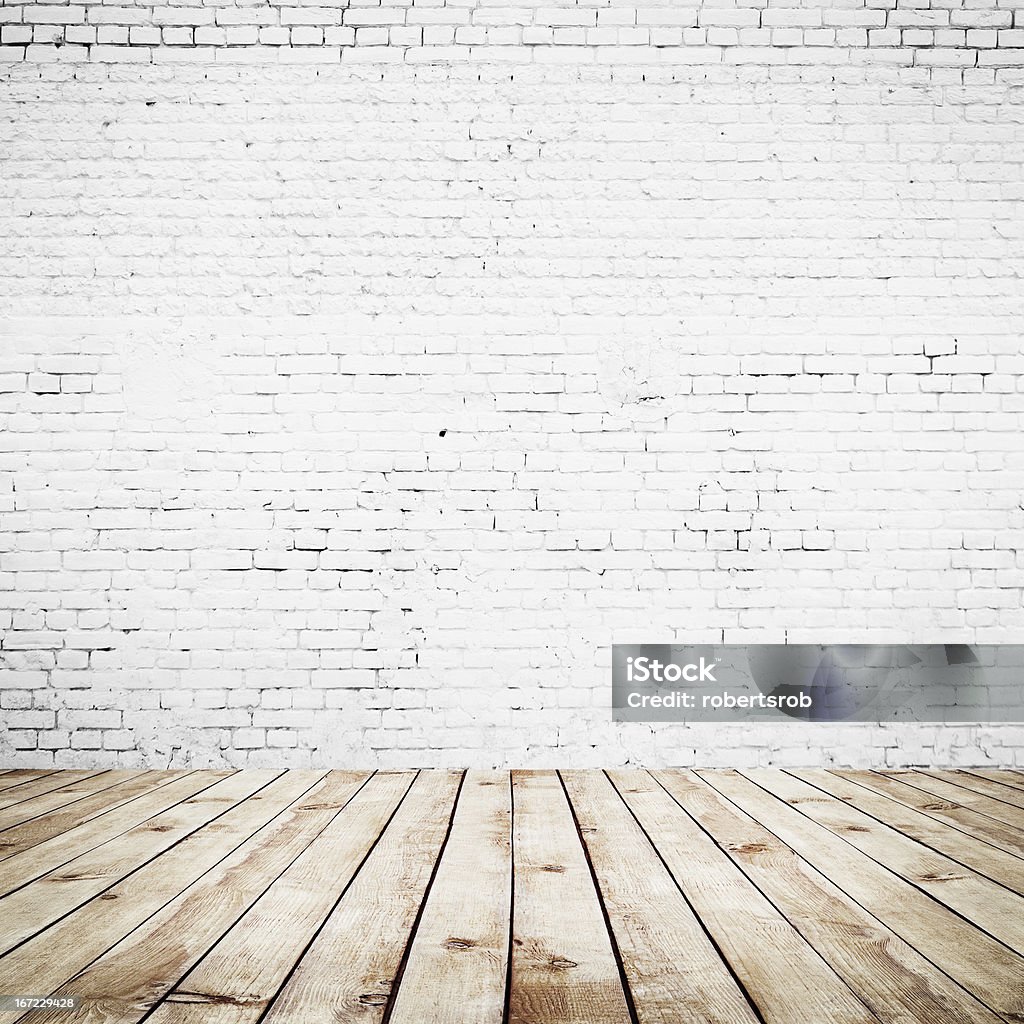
(458, 962)
(978, 826)
(13, 798)
(33, 907)
(126, 982)
(945, 790)
(978, 784)
(994, 864)
(18, 776)
(47, 803)
(564, 968)
(22, 867)
(989, 905)
(892, 978)
(56, 955)
(672, 968)
(784, 977)
(979, 963)
(236, 981)
(1004, 776)
(349, 971)
(38, 830)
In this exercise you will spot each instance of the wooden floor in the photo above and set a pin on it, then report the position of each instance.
(216, 897)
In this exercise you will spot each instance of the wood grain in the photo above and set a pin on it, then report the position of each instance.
(46, 826)
(59, 952)
(19, 804)
(941, 787)
(670, 963)
(972, 823)
(348, 973)
(988, 905)
(721, 894)
(564, 970)
(458, 961)
(433, 897)
(994, 864)
(240, 976)
(977, 783)
(62, 890)
(95, 788)
(18, 776)
(22, 867)
(127, 981)
(979, 963)
(894, 980)
(1006, 776)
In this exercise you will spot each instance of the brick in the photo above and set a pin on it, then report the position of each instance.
(339, 35)
(310, 16)
(242, 35)
(116, 35)
(120, 54)
(307, 35)
(49, 14)
(104, 15)
(183, 15)
(147, 35)
(11, 35)
(178, 36)
(374, 16)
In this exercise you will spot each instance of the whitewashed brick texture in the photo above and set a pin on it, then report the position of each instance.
(367, 369)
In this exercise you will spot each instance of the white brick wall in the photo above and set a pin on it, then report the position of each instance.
(349, 413)
(928, 33)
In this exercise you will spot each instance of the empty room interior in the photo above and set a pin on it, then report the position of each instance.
(511, 511)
